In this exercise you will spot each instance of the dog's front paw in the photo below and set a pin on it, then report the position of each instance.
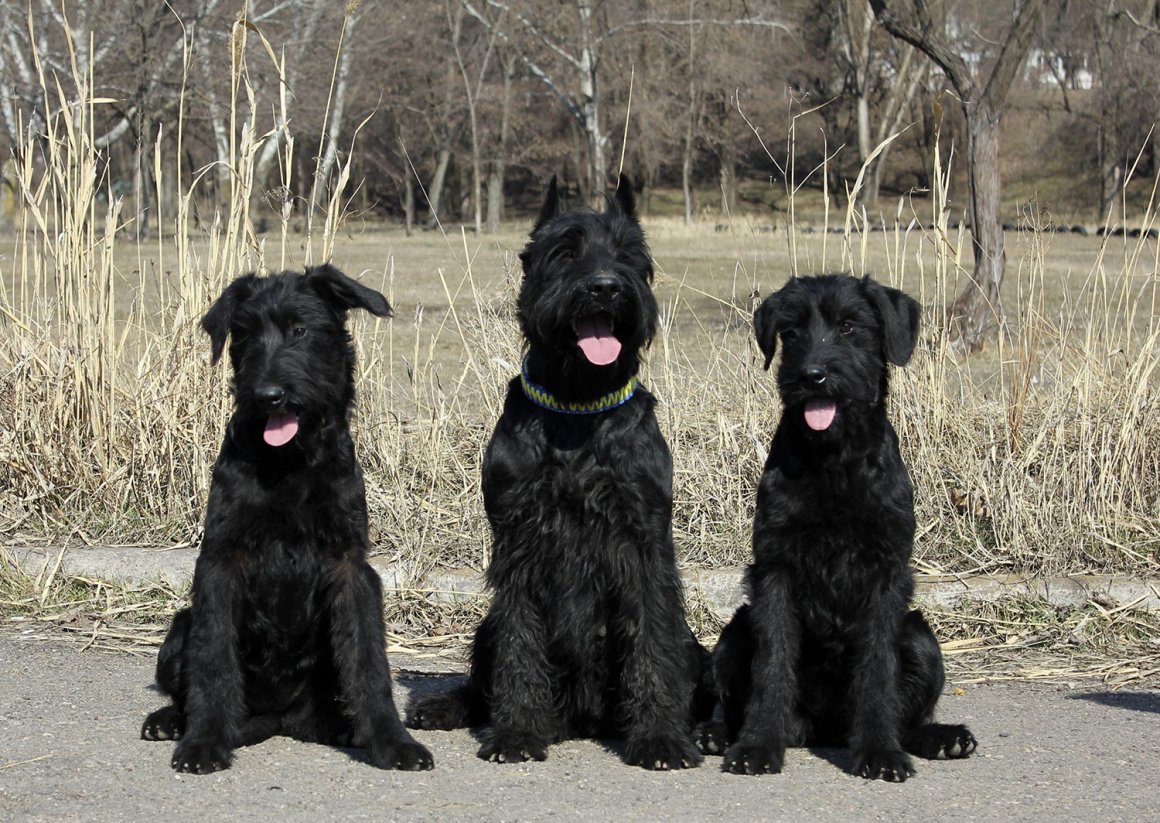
(164, 724)
(753, 758)
(201, 758)
(403, 753)
(892, 765)
(710, 737)
(505, 746)
(662, 753)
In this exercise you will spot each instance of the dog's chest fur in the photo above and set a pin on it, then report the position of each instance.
(566, 496)
(835, 525)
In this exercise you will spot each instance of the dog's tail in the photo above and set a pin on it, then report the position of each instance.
(463, 706)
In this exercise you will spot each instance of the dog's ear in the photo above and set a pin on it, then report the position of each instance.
(344, 292)
(220, 316)
(624, 200)
(551, 207)
(901, 315)
(765, 326)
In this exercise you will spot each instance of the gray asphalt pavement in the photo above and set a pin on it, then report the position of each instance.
(70, 751)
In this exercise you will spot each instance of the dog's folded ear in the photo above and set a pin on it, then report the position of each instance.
(551, 208)
(901, 315)
(623, 199)
(344, 292)
(220, 316)
(765, 326)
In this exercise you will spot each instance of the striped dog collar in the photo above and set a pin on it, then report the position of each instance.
(544, 399)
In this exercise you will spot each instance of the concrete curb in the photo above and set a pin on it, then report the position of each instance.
(720, 589)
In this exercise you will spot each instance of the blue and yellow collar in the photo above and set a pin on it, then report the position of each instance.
(544, 399)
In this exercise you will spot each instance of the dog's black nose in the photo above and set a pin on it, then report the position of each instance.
(814, 374)
(269, 394)
(603, 285)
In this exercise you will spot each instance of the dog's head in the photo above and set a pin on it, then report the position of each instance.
(586, 306)
(292, 359)
(838, 334)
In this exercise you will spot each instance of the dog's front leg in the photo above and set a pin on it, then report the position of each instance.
(215, 697)
(358, 638)
(524, 716)
(875, 692)
(656, 681)
(770, 711)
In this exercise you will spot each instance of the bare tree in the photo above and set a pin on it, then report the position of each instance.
(881, 80)
(983, 99)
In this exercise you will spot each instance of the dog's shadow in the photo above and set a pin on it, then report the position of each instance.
(1134, 701)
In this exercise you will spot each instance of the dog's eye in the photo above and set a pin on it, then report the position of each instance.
(788, 333)
(845, 328)
(298, 332)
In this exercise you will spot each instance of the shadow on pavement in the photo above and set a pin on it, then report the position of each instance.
(1136, 701)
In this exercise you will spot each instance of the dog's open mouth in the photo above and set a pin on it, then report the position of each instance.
(596, 341)
(280, 428)
(820, 413)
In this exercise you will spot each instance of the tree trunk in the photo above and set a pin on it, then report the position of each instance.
(439, 180)
(728, 176)
(408, 203)
(687, 177)
(978, 309)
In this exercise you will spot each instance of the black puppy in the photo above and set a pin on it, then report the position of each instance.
(827, 652)
(586, 634)
(285, 631)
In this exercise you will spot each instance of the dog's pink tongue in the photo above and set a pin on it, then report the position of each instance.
(820, 414)
(594, 336)
(280, 429)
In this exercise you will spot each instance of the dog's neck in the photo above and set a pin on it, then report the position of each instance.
(546, 400)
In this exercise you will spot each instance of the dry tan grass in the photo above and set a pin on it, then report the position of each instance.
(1037, 456)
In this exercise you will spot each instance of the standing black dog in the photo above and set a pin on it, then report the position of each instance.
(285, 631)
(586, 635)
(827, 652)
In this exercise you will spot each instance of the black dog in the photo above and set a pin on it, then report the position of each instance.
(586, 635)
(827, 652)
(285, 632)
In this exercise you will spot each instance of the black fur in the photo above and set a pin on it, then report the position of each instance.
(586, 634)
(285, 631)
(828, 652)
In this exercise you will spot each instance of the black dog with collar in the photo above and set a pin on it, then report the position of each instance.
(586, 635)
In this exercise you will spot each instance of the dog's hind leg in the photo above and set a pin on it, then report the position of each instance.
(168, 723)
(463, 706)
(922, 678)
(358, 638)
(258, 729)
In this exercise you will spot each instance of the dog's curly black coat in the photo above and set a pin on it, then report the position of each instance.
(828, 652)
(285, 631)
(586, 635)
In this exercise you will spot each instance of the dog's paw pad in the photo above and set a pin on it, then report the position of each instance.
(512, 747)
(942, 742)
(440, 711)
(163, 724)
(662, 753)
(753, 759)
(893, 766)
(958, 744)
(201, 758)
(710, 737)
(405, 755)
